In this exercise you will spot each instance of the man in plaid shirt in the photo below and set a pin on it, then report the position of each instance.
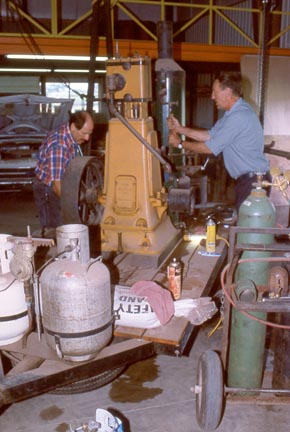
(55, 153)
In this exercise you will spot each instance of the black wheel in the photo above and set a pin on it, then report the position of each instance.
(81, 187)
(89, 384)
(209, 391)
(81, 386)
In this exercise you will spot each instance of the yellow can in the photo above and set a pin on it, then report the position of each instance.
(210, 236)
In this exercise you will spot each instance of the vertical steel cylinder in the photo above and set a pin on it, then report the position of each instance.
(247, 336)
(66, 233)
(165, 39)
(170, 84)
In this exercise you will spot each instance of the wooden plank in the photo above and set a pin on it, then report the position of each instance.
(28, 363)
(129, 332)
(170, 333)
(199, 272)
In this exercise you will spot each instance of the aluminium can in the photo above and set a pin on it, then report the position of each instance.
(174, 278)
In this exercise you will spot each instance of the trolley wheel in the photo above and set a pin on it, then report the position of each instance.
(209, 391)
(81, 187)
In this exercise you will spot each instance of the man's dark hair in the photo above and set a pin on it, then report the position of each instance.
(232, 80)
(79, 118)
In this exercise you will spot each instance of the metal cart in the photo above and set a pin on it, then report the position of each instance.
(211, 382)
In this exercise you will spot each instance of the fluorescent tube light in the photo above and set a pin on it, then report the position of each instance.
(23, 70)
(52, 57)
(38, 70)
(78, 71)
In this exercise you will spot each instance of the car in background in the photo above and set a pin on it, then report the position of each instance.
(24, 121)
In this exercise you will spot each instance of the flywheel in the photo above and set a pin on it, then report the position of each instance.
(81, 187)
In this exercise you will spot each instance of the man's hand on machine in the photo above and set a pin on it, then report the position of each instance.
(174, 139)
(173, 124)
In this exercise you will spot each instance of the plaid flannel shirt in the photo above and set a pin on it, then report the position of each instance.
(55, 153)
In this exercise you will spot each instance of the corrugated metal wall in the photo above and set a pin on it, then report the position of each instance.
(224, 33)
(285, 22)
(204, 111)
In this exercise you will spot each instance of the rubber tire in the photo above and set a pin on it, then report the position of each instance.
(89, 384)
(81, 386)
(210, 399)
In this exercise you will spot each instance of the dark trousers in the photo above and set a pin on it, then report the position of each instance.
(244, 185)
(47, 204)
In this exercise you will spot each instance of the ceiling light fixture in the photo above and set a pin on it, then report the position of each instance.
(51, 57)
(38, 70)
(78, 71)
(24, 70)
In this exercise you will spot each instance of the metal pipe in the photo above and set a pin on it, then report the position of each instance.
(165, 39)
(115, 113)
(29, 301)
(255, 390)
(37, 306)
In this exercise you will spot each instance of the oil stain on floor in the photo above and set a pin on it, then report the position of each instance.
(130, 387)
(51, 413)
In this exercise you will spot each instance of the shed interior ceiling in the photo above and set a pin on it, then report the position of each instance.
(206, 31)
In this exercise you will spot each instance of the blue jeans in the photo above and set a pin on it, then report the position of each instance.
(47, 204)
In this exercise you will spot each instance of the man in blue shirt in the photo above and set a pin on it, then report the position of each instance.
(238, 135)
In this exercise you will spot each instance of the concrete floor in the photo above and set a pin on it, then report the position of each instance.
(154, 395)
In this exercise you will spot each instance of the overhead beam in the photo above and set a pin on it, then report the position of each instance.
(182, 51)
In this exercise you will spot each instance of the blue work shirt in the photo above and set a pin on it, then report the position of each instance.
(239, 136)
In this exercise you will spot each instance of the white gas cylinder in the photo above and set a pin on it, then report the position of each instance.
(14, 320)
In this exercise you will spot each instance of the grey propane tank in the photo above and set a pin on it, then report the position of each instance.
(76, 308)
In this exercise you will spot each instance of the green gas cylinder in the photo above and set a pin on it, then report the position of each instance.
(247, 336)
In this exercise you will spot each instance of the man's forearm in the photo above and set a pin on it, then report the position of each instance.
(195, 134)
(196, 147)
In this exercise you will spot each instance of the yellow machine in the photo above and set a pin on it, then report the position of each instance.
(135, 218)
(128, 201)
